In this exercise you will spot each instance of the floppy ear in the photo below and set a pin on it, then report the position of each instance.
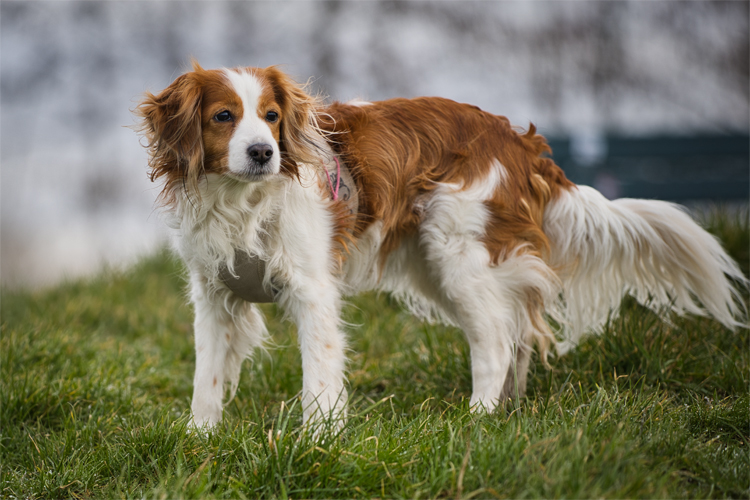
(171, 123)
(300, 138)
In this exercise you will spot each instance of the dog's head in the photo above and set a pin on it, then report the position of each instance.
(244, 123)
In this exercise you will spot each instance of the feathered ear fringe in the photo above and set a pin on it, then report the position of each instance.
(171, 123)
(302, 140)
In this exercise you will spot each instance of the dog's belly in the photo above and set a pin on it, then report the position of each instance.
(406, 274)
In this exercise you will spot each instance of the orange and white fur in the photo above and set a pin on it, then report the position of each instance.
(460, 216)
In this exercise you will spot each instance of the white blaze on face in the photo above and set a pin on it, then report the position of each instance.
(251, 129)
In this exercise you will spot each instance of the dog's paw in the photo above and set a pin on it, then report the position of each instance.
(481, 405)
(203, 425)
(321, 419)
(321, 426)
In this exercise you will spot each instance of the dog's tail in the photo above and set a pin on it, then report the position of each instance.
(603, 250)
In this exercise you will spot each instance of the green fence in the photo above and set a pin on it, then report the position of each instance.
(670, 168)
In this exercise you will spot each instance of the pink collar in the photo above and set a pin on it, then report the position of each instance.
(335, 192)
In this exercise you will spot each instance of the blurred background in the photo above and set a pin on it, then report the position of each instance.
(637, 98)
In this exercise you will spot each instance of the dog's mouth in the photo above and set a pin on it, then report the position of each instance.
(254, 172)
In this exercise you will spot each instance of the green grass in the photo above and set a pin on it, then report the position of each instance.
(95, 385)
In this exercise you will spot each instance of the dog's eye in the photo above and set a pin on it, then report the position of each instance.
(223, 116)
(272, 116)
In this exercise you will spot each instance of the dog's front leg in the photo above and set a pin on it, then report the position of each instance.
(212, 330)
(322, 345)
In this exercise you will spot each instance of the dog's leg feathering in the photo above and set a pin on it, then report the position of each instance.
(227, 330)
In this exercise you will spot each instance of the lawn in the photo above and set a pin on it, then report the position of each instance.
(96, 375)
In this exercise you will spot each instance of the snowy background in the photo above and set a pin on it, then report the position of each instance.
(73, 186)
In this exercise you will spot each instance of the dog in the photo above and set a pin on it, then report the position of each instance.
(272, 195)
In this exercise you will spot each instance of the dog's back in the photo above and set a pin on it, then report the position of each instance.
(478, 227)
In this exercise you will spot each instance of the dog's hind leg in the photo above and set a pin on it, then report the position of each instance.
(498, 305)
(515, 381)
(491, 349)
(498, 309)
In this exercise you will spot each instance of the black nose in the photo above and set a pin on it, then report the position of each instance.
(260, 153)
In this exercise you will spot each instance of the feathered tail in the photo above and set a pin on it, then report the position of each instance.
(603, 250)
